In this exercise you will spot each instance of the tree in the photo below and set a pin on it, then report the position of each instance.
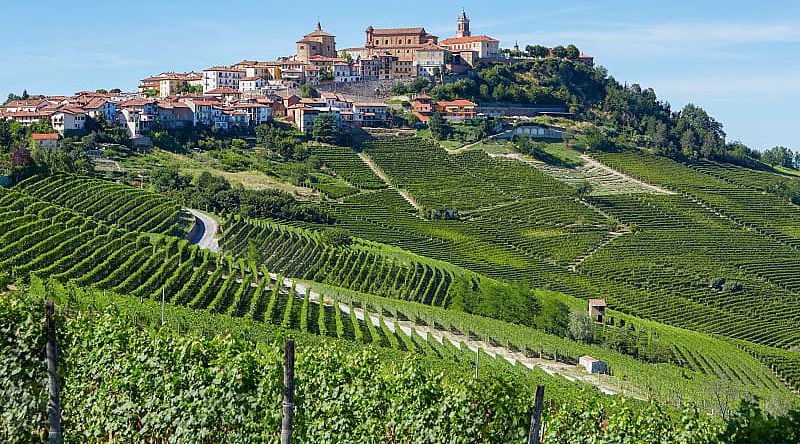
(307, 91)
(559, 52)
(781, 156)
(21, 156)
(167, 179)
(115, 91)
(689, 144)
(398, 89)
(572, 52)
(540, 51)
(529, 50)
(440, 129)
(325, 73)
(101, 91)
(419, 84)
(324, 128)
(337, 237)
(583, 189)
(580, 326)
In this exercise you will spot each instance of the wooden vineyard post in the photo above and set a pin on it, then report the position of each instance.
(54, 401)
(163, 298)
(477, 358)
(288, 393)
(536, 417)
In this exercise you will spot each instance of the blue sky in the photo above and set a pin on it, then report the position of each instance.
(739, 60)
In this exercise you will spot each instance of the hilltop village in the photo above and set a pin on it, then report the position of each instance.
(351, 83)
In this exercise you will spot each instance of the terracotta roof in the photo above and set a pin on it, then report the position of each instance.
(305, 40)
(471, 39)
(223, 90)
(397, 31)
(24, 103)
(319, 33)
(222, 68)
(250, 105)
(40, 113)
(73, 111)
(597, 302)
(138, 102)
(39, 136)
(430, 47)
(458, 102)
(320, 58)
(95, 103)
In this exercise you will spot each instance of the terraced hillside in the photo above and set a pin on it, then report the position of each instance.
(303, 254)
(91, 253)
(459, 182)
(120, 204)
(503, 237)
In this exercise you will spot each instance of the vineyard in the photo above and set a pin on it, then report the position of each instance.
(124, 262)
(108, 201)
(346, 165)
(715, 258)
(225, 388)
(459, 182)
(302, 254)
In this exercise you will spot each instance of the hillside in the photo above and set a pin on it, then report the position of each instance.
(402, 263)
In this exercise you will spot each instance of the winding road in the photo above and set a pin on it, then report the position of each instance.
(205, 236)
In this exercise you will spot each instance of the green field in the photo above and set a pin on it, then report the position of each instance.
(697, 262)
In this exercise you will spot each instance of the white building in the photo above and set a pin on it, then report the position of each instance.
(369, 113)
(98, 107)
(345, 72)
(221, 77)
(257, 113)
(252, 83)
(483, 46)
(592, 365)
(68, 119)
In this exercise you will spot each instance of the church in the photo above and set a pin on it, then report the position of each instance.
(468, 48)
(317, 43)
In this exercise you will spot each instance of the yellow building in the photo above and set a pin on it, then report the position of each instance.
(399, 42)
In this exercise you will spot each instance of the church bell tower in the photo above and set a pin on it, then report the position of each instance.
(463, 25)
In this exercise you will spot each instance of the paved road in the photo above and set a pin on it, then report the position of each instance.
(206, 236)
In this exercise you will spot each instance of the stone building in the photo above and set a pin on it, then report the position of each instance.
(402, 43)
(317, 43)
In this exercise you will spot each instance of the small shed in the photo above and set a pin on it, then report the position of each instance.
(597, 310)
(592, 365)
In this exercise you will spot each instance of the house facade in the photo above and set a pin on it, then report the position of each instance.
(221, 77)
